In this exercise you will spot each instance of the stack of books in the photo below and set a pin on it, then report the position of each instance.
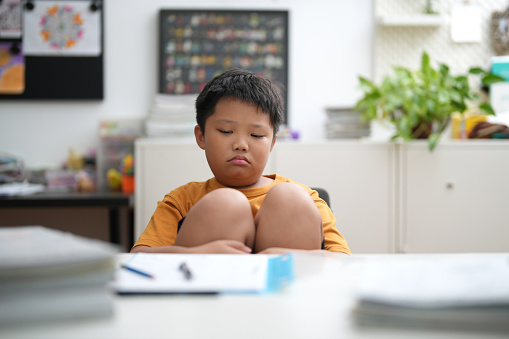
(460, 291)
(171, 116)
(345, 123)
(49, 275)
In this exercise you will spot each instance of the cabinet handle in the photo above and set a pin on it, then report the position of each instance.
(449, 185)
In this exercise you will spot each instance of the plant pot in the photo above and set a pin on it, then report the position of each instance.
(422, 131)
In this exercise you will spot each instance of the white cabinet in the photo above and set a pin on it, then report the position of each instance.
(356, 175)
(386, 197)
(359, 178)
(455, 199)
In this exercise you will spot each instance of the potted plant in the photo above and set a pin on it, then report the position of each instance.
(420, 103)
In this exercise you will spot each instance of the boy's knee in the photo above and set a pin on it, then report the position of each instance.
(291, 194)
(226, 200)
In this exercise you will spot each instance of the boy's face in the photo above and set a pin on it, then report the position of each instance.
(237, 141)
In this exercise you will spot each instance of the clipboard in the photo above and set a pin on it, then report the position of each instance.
(162, 273)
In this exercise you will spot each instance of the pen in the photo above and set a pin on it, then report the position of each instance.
(137, 271)
(185, 270)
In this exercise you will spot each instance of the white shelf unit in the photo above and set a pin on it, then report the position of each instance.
(417, 20)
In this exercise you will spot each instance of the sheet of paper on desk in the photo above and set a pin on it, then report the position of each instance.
(439, 290)
(210, 273)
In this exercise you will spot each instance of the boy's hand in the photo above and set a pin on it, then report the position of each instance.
(222, 246)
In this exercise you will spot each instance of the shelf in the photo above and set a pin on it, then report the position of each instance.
(419, 20)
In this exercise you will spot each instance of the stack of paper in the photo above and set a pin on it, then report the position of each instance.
(171, 116)
(345, 123)
(151, 273)
(462, 291)
(51, 275)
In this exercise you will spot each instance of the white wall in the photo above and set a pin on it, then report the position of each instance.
(330, 45)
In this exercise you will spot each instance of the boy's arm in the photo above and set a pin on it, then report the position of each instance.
(217, 246)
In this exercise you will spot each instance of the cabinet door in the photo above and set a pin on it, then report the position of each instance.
(359, 179)
(161, 166)
(456, 198)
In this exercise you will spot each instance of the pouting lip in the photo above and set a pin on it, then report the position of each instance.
(239, 157)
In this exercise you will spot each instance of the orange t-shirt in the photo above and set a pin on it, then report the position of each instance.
(162, 228)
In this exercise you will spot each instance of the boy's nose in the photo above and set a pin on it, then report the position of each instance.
(240, 145)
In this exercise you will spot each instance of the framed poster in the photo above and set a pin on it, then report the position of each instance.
(196, 45)
(57, 54)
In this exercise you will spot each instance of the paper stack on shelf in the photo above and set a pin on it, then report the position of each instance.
(171, 116)
(49, 275)
(463, 291)
(345, 123)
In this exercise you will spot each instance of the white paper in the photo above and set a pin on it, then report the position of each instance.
(466, 23)
(67, 28)
(210, 273)
(10, 19)
(437, 281)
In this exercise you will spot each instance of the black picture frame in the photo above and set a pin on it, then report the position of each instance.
(197, 44)
(62, 78)
(500, 31)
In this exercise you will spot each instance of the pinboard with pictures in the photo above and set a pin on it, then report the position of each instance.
(51, 49)
(195, 45)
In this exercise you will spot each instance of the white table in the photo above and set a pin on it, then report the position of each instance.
(317, 305)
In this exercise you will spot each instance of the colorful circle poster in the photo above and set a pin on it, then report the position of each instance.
(62, 28)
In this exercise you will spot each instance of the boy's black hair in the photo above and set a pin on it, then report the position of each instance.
(239, 84)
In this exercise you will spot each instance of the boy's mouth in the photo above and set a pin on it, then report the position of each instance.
(239, 160)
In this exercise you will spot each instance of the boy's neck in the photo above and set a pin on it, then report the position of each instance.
(263, 181)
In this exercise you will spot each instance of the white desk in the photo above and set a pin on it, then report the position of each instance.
(317, 305)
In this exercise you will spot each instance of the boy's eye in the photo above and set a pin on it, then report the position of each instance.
(257, 136)
(224, 132)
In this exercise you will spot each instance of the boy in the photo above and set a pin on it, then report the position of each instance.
(240, 210)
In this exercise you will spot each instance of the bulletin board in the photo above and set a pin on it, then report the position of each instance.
(51, 49)
(195, 45)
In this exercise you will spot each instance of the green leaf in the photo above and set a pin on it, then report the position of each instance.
(477, 70)
(366, 85)
(425, 62)
(433, 140)
(491, 79)
(486, 108)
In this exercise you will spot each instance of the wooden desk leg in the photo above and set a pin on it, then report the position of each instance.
(115, 225)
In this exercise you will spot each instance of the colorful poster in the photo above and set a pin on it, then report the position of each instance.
(62, 28)
(10, 19)
(12, 68)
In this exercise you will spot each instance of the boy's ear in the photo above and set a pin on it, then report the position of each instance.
(200, 139)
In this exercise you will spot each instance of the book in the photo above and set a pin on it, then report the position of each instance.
(462, 291)
(49, 275)
(155, 273)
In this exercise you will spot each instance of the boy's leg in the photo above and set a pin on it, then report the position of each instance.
(288, 218)
(223, 214)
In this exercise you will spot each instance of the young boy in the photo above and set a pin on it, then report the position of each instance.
(240, 210)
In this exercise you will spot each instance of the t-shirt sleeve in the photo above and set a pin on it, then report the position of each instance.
(334, 241)
(163, 225)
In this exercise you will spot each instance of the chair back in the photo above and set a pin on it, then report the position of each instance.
(323, 194)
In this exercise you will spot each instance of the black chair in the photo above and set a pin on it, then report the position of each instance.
(323, 194)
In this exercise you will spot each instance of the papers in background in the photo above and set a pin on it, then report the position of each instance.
(458, 291)
(48, 275)
(211, 273)
(172, 116)
(466, 23)
(10, 19)
(20, 188)
(66, 28)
